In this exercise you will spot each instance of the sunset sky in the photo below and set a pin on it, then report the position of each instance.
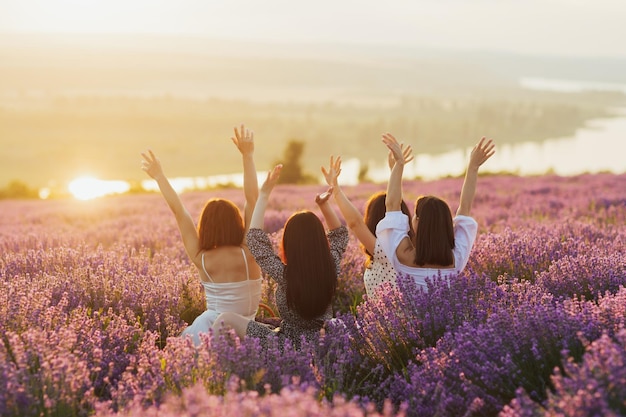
(563, 27)
(344, 31)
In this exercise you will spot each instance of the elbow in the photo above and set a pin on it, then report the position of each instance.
(353, 223)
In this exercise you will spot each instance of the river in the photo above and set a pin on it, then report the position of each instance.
(599, 146)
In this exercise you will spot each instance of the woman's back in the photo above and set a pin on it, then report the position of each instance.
(378, 272)
(227, 264)
(228, 272)
(393, 235)
(231, 280)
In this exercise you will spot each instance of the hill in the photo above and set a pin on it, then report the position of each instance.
(73, 106)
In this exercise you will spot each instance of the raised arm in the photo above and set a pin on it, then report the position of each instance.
(393, 201)
(354, 219)
(481, 152)
(244, 141)
(152, 166)
(258, 215)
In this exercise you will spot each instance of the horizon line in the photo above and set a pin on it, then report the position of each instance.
(398, 46)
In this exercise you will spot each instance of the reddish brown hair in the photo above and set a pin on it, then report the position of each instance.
(375, 211)
(220, 224)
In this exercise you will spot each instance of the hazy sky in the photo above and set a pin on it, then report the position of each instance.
(565, 27)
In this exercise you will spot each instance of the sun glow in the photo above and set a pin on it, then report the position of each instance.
(87, 188)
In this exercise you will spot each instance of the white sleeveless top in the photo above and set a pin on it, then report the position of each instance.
(241, 297)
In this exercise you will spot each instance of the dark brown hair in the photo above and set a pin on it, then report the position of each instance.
(375, 211)
(220, 224)
(310, 269)
(434, 237)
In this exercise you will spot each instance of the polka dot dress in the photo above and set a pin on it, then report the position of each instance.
(293, 326)
(380, 271)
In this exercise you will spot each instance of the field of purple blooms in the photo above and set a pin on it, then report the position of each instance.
(94, 294)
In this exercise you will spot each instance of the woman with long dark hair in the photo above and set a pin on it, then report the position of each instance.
(230, 276)
(441, 245)
(305, 271)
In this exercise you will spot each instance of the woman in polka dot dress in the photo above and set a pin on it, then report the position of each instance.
(442, 244)
(378, 269)
(306, 273)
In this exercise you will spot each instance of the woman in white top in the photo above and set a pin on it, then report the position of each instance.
(378, 269)
(228, 272)
(441, 245)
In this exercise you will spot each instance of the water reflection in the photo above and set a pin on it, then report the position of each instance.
(190, 183)
(599, 147)
(568, 86)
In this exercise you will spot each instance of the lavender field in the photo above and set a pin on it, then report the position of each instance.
(94, 294)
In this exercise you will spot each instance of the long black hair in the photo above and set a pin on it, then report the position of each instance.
(310, 269)
(434, 237)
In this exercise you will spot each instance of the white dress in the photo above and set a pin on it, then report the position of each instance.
(241, 297)
(395, 226)
(378, 272)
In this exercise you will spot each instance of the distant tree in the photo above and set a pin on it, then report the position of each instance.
(293, 172)
(363, 173)
(136, 187)
(18, 189)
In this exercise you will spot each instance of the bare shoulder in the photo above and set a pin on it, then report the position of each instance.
(255, 269)
(226, 264)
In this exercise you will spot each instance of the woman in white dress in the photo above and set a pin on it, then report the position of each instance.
(378, 269)
(228, 272)
(441, 245)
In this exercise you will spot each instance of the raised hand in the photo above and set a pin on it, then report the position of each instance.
(406, 153)
(271, 180)
(323, 197)
(333, 172)
(483, 150)
(151, 165)
(399, 155)
(244, 140)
